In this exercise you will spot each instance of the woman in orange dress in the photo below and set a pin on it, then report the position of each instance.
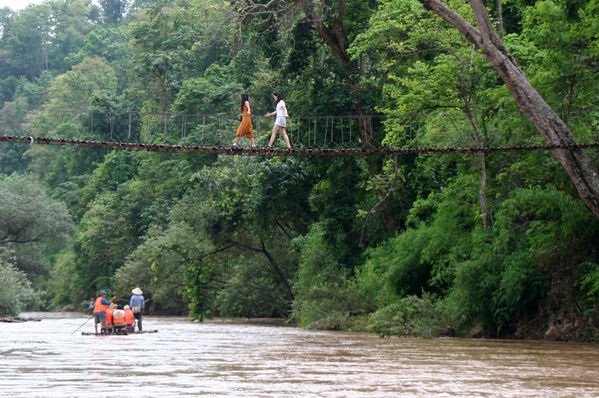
(245, 127)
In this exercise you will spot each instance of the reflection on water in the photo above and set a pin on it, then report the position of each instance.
(235, 359)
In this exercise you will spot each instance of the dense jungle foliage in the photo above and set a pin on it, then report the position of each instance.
(496, 245)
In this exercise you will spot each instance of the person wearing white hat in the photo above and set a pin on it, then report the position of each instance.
(118, 319)
(137, 304)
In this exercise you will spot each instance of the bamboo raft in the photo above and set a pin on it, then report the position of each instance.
(119, 333)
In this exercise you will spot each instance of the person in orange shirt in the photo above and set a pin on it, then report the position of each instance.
(245, 127)
(118, 319)
(108, 326)
(129, 319)
(100, 309)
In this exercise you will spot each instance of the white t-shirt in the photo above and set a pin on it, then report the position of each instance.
(281, 109)
(281, 119)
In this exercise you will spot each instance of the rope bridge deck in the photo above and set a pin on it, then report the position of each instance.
(282, 152)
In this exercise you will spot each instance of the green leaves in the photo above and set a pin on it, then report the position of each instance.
(340, 236)
(562, 65)
(33, 227)
(216, 92)
(170, 46)
(28, 215)
(15, 289)
(166, 263)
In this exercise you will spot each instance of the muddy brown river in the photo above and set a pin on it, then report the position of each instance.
(236, 359)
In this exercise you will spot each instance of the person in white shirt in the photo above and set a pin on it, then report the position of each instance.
(280, 121)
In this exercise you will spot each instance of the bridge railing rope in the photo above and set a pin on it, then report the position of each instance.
(213, 130)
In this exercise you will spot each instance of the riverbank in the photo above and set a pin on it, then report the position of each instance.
(393, 321)
(12, 319)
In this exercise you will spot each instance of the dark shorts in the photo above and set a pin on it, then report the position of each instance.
(100, 318)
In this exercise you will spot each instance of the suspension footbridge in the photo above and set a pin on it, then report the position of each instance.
(309, 135)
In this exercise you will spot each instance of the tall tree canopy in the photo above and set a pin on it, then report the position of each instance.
(496, 244)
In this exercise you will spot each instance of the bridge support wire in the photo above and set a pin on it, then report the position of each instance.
(284, 152)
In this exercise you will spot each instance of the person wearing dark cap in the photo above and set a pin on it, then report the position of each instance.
(100, 308)
(137, 304)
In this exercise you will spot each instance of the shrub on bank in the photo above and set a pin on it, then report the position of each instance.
(15, 290)
(411, 316)
(325, 295)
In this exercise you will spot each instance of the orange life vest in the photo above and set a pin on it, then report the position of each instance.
(118, 318)
(99, 307)
(109, 316)
(129, 318)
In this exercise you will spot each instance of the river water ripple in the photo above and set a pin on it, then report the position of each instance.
(220, 358)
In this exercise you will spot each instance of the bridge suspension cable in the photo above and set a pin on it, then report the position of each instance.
(281, 152)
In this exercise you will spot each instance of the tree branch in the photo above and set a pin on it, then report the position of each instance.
(248, 247)
(222, 249)
(283, 229)
(454, 19)
(16, 240)
(554, 130)
(272, 262)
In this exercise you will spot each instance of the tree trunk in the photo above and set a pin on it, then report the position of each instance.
(479, 163)
(272, 262)
(500, 15)
(576, 162)
(278, 269)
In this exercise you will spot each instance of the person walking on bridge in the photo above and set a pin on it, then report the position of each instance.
(280, 121)
(245, 128)
(137, 304)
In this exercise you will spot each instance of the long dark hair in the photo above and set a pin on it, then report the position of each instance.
(244, 97)
(278, 95)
